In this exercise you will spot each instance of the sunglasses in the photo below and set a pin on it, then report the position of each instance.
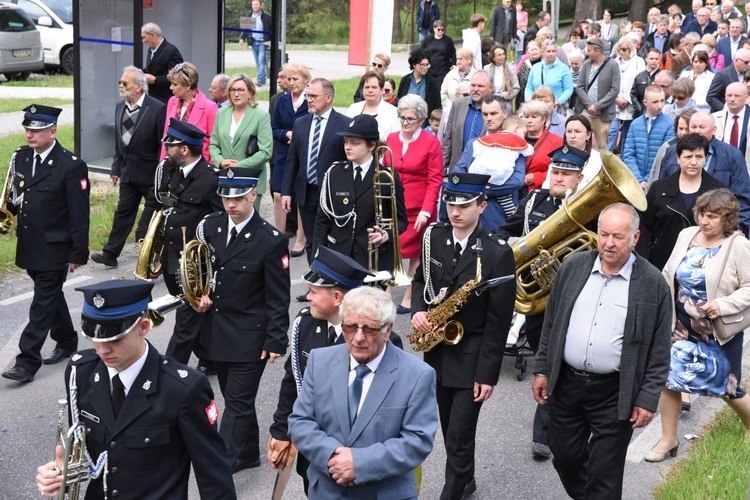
(378, 65)
(352, 329)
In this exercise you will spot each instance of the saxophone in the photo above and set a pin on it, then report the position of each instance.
(451, 332)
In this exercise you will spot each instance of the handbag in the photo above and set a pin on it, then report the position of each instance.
(252, 146)
(726, 327)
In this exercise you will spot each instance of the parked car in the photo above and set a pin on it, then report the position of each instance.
(54, 20)
(20, 44)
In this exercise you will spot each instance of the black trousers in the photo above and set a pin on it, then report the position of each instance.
(48, 313)
(125, 214)
(307, 212)
(187, 327)
(541, 416)
(589, 443)
(458, 420)
(239, 426)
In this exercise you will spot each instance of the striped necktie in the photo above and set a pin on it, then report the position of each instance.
(312, 170)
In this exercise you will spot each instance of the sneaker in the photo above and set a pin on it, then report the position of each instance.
(107, 259)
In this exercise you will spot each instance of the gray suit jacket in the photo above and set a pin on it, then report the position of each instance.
(644, 363)
(391, 436)
(609, 87)
(453, 137)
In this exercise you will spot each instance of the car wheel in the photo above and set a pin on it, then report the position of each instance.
(67, 61)
(18, 77)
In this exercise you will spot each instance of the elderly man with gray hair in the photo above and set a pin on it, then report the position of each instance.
(734, 72)
(160, 58)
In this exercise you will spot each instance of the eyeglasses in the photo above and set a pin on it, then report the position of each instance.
(465, 95)
(439, 29)
(237, 91)
(123, 83)
(315, 96)
(746, 62)
(352, 329)
(665, 86)
(378, 65)
(424, 65)
(408, 119)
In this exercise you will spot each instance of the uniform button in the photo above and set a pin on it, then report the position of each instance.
(218, 297)
(114, 470)
(115, 494)
(146, 441)
(171, 228)
(221, 268)
(218, 284)
(113, 444)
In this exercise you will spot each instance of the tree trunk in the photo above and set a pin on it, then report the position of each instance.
(639, 10)
(588, 10)
(397, 29)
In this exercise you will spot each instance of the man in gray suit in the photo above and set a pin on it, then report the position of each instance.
(602, 367)
(465, 122)
(597, 87)
(367, 415)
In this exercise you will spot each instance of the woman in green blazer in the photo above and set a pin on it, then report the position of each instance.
(242, 134)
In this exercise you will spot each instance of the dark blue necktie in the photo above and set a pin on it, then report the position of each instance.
(355, 392)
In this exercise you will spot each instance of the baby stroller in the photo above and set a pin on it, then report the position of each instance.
(518, 346)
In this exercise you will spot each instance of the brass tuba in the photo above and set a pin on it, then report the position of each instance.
(540, 253)
(7, 220)
(381, 180)
(149, 266)
(73, 467)
(195, 270)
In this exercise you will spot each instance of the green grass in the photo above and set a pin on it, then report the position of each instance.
(717, 466)
(44, 80)
(103, 202)
(11, 105)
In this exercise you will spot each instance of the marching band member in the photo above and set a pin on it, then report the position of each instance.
(185, 186)
(329, 278)
(467, 371)
(565, 174)
(148, 418)
(346, 220)
(249, 307)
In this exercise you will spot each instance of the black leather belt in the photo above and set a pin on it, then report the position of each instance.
(589, 376)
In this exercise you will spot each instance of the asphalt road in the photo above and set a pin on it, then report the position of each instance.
(505, 469)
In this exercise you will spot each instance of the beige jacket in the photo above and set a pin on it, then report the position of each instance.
(733, 292)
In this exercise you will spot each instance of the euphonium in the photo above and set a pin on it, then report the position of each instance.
(7, 220)
(381, 180)
(73, 467)
(195, 270)
(149, 265)
(540, 253)
(443, 329)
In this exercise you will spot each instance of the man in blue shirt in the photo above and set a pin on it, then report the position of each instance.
(258, 38)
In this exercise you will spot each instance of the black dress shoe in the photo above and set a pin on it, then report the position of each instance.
(104, 258)
(56, 356)
(302, 298)
(18, 373)
(470, 488)
(245, 464)
(540, 451)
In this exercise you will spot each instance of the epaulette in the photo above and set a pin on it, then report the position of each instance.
(305, 311)
(83, 357)
(70, 155)
(440, 225)
(178, 371)
(497, 239)
(214, 214)
(23, 148)
(271, 229)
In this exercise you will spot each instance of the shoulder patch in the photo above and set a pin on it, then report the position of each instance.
(82, 357)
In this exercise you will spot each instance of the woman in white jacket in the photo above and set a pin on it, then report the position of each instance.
(630, 66)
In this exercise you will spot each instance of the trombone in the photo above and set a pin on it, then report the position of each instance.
(384, 191)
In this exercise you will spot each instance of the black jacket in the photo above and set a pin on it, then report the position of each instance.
(348, 234)
(53, 217)
(165, 425)
(638, 90)
(166, 57)
(485, 319)
(666, 216)
(265, 18)
(250, 312)
(136, 162)
(432, 91)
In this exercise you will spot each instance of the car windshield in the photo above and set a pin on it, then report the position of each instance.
(14, 20)
(63, 9)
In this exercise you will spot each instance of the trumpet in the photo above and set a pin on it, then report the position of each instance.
(73, 467)
(384, 190)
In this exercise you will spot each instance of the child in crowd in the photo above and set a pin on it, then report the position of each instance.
(434, 122)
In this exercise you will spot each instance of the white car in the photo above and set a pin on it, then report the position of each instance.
(54, 20)
(20, 45)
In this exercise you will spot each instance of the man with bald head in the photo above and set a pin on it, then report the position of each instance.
(729, 45)
(735, 72)
(732, 121)
(465, 122)
(723, 162)
(690, 17)
(702, 23)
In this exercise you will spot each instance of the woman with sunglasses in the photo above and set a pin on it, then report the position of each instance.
(389, 91)
(442, 51)
(380, 63)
